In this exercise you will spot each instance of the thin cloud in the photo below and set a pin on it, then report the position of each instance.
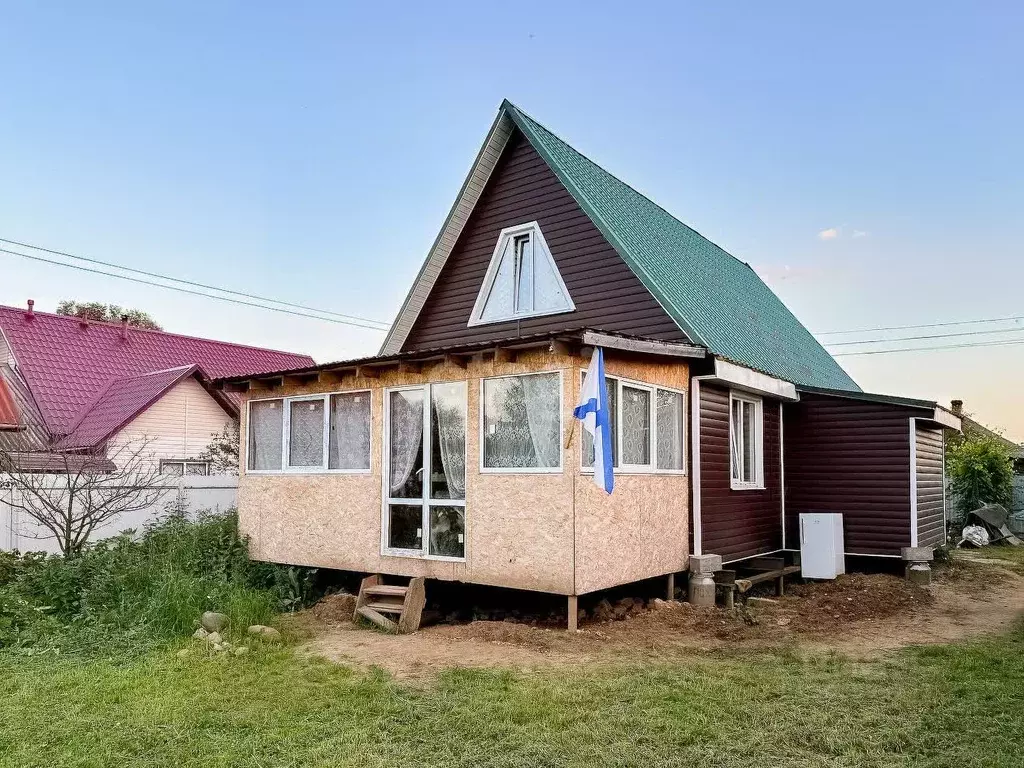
(859, 233)
(828, 234)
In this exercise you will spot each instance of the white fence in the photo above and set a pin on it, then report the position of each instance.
(18, 531)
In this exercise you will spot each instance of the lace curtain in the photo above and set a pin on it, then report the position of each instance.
(406, 437)
(541, 400)
(266, 430)
(636, 426)
(521, 422)
(448, 404)
(350, 431)
(670, 430)
(306, 434)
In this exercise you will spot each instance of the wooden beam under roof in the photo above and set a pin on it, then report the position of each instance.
(643, 346)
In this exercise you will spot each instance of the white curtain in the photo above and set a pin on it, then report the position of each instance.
(449, 410)
(266, 433)
(670, 430)
(406, 435)
(350, 431)
(541, 401)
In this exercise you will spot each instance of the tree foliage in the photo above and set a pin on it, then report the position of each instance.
(107, 313)
(222, 452)
(980, 470)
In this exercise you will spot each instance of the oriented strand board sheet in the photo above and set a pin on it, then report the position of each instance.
(546, 532)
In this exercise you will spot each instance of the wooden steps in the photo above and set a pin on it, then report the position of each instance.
(404, 603)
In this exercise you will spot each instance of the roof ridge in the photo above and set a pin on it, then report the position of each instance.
(624, 183)
(135, 328)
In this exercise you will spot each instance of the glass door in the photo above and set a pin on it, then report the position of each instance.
(425, 471)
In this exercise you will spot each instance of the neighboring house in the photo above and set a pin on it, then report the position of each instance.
(74, 387)
(453, 454)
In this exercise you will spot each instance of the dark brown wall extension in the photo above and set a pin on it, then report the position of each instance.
(931, 526)
(737, 524)
(850, 456)
(607, 295)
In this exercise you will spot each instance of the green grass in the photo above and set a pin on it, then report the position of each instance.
(944, 706)
(1013, 556)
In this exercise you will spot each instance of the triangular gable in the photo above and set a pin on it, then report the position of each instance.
(522, 279)
(717, 300)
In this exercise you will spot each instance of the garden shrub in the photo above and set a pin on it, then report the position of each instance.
(143, 589)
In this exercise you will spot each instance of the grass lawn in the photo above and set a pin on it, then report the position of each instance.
(1012, 556)
(940, 706)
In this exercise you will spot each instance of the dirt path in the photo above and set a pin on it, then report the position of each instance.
(862, 616)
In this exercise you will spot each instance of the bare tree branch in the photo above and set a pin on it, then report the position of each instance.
(94, 489)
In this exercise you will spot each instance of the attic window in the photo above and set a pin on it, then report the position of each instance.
(522, 279)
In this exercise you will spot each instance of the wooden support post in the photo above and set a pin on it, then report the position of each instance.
(780, 587)
(573, 613)
(671, 587)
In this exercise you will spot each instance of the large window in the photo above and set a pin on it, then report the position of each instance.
(316, 433)
(521, 280)
(746, 427)
(425, 476)
(522, 423)
(648, 427)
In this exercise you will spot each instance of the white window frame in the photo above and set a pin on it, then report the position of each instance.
(424, 552)
(324, 468)
(184, 466)
(639, 469)
(561, 428)
(531, 228)
(758, 483)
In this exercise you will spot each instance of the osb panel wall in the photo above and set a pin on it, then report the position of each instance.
(642, 529)
(546, 532)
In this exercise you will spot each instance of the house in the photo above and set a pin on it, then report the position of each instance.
(76, 390)
(453, 453)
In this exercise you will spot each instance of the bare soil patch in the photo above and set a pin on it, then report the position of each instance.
(858, 614)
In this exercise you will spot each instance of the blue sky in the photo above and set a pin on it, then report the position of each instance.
(310, 151)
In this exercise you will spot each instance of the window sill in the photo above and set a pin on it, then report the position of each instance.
(411, 554)
(746, 486)
(302, 472)
(656, 472)
(521, 470)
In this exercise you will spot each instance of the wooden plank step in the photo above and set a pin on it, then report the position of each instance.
(381, 621)
(384, 589)
(387, 607)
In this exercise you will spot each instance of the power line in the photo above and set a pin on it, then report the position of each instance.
(383, 326)
(923, 325)
(967, 345)
(188, 291)
(930, 336)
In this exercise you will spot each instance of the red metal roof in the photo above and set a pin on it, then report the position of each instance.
(8, 410)
(119, 403)
(67, 364)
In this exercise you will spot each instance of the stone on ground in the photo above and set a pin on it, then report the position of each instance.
(267, 633)
(214, 638)
(213, 621)
(200, 634)
(241, 650)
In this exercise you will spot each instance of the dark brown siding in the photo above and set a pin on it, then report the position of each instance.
(607, 295)
(931, 518)
(849, 456)
(737, 524)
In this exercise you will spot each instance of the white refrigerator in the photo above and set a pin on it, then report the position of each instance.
(821, 545)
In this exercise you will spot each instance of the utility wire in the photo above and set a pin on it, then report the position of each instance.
(923, 325)
(914, 338)
(382, 325)
(189, 291)
(967, 345)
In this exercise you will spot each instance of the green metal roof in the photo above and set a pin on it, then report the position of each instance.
(716, 299)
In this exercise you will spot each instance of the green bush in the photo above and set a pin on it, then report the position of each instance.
(145, 589)
(980, 472)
